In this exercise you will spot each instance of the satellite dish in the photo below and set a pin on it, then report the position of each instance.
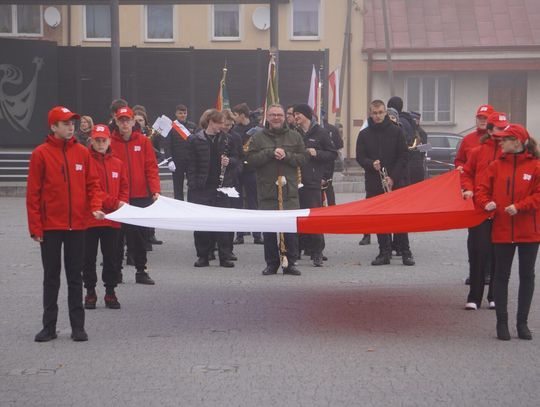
(52, 17)
(261, 18)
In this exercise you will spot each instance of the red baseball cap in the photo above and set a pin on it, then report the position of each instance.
(514, 130)
(100, 131)
(498, 119)
(124, 112)
(61, 114)
(484, 111)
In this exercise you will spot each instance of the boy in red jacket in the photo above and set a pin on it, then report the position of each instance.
(137, 153)
(115, 192)
(62, 185)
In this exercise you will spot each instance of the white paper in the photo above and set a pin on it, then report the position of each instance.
(162, 125)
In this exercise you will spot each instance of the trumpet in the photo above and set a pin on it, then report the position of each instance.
(384, 181)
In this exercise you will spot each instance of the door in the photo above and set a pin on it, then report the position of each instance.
(508, 93)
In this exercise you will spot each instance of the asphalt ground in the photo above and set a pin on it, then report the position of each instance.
(346, 334)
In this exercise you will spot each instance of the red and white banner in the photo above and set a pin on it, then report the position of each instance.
(434, 204)
(313, 90)
(181, 129)
(333, 80)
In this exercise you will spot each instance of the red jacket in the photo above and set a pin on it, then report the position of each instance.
(114, 185)
(469, 142)
(513, 179)
(477, 163)
(138, 155)
(62, 185)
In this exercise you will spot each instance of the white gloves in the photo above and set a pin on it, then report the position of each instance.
(171, 166)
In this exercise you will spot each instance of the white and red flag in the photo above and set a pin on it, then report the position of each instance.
(333, 80)
(313, 90)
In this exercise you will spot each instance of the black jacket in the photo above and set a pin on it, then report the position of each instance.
(198, 164)
(385, 142)
(175, 146)
(335, 135)
(318, 168)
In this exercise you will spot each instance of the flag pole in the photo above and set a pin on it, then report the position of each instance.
(319, 95)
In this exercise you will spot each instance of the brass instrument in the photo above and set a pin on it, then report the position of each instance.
(384, 181)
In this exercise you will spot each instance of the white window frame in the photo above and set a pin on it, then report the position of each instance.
(240, 25)
(306, 37)
(436, 96)
(84, 30)
(174, 25)
(14, 24)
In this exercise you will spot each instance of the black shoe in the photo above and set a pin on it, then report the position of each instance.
(201, 262)
(79, 335)
(111, 301)
(233, 257)
(238, 240)
(269, 270)
(407, 259)
(154, 240)
(502, 331)
(524, 332)
(142, 277)
(212, 256)
(291, 270)
(226, 263)
(130, 261)
(365, 240)
(258, 240)
(381, 259)
(46, 335)
(90, 300)
(317, 261)
(399, 253)
(148, 246)
(467, 281)
(324, 258)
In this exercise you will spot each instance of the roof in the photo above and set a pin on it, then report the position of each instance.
(425, 24)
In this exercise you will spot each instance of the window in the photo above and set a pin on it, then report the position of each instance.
(159, 22)
(97, 21)
(431, 96)
(226, 22)
(20, 20)
(305, 19)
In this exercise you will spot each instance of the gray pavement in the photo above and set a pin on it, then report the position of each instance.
(347, 334)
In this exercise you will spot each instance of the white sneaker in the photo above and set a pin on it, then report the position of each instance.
(470, 306)
(492, 305)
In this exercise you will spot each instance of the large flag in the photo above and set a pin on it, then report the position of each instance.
(434, 204)
(223, 96)
(313, 90)
(333, 80)
(272, 94)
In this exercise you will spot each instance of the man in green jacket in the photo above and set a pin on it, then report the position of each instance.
(276, 153)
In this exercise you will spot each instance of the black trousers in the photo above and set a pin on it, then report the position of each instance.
(107, 238)
(271, 248)
(330, 194)
(206, 241)
(135, 237)
(51, 253)
(504, 255)
(248, 195)
(481, 261)
(178, 177)
(401, 240)
(313, 243)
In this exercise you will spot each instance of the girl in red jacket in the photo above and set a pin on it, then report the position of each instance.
(115, 192)
(62, 186)
(511, 190)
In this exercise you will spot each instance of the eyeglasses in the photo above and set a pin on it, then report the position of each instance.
(276, 115)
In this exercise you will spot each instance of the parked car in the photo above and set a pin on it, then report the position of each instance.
(441, 157)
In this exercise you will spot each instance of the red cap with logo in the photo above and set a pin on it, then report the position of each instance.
(484, 111)
(498, 119)
(61, 114)
(124, 112)
(514, 130)
(100, 131)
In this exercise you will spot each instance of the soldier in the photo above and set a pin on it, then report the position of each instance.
(276, 152)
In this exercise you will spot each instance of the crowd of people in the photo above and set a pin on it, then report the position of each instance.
(282, 158)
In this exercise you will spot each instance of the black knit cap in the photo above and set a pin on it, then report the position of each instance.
(305, 109)
(396, 102)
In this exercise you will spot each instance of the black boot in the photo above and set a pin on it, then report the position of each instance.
(365, 240)
(46, 335)
(503, 333)
(381, 259)
(142, 277)
(407, 258)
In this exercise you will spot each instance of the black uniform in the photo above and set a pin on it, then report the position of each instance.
(177, 148)
(203, 179)
(313, 172)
